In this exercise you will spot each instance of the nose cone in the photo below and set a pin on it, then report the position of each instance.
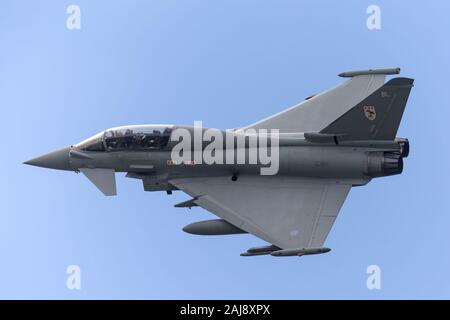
(58, 159)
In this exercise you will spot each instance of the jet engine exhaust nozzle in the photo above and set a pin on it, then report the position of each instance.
(382, 164)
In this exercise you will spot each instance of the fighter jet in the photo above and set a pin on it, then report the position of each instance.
(319, 149)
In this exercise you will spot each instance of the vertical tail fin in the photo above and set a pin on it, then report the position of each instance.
(317, 112)
(377, 117)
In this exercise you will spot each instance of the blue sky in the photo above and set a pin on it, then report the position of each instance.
(227, 63)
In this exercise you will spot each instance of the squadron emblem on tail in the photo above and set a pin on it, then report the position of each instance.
(370, 112)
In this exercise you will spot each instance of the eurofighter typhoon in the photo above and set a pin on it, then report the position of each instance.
(282, 179)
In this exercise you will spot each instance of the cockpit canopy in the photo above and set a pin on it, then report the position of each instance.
(138, 138)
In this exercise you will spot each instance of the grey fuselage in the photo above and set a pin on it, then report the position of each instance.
(299, 155)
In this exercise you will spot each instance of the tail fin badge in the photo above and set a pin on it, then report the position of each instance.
(385, 94)
(370, 112)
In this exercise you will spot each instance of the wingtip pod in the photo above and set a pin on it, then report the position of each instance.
(350, 74)
(277, 252)
(299, 252)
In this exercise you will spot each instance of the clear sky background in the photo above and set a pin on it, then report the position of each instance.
(227, 63)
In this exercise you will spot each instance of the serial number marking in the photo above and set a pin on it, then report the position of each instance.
(247, 309)
(178, 163)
